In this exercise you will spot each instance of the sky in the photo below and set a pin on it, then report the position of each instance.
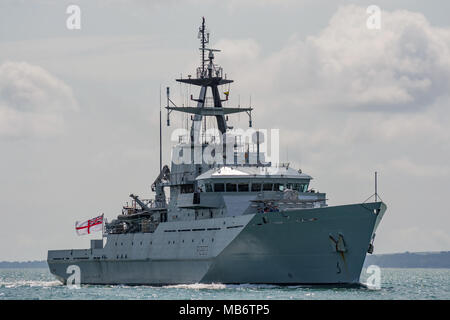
(79, 108)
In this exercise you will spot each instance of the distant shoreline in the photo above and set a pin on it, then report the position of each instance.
(23, 264)
(440, 259)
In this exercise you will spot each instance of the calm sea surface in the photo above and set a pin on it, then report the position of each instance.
(395, 284)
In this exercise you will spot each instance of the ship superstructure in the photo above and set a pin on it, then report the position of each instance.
(232, 216)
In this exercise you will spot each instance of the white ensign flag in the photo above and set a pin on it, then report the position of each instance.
(87, 227)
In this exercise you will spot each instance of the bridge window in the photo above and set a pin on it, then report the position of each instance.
(267, 187)
(187, 188)
(243, 187)
(278, 187)
(231, 187)
(300, 187)
(208, 187)
(256, 187)
(219, 187)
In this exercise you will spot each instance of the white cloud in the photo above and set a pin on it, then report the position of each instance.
(32, 101)
(422, 238)
(396, 78)
(408, 167)
(403, 66)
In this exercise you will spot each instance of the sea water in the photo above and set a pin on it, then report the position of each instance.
(394, 284)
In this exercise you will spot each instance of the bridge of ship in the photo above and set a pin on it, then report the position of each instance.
(256, 189)
(253, 179)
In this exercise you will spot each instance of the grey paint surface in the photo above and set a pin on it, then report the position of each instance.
(292, 247)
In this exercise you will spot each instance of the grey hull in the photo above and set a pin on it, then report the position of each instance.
(290, 247)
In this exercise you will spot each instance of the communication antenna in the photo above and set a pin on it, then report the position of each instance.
(168, 111)
(160, 131)
(375, 195)
(376, 187)
(204, 39)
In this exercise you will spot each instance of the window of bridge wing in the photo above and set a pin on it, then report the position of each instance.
(267, 186)
(278, 187)
(187, 188)
(256, 187)
(231, 187)
(305, 187)
(243, 187)
(219, 187)
(208, 187)
(300, 187)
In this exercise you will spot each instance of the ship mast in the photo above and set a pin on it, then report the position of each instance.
(209, 75)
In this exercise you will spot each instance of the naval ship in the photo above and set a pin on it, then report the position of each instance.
(233, 218)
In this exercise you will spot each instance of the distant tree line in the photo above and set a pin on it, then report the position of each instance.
(410, 260)
(24, 264)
